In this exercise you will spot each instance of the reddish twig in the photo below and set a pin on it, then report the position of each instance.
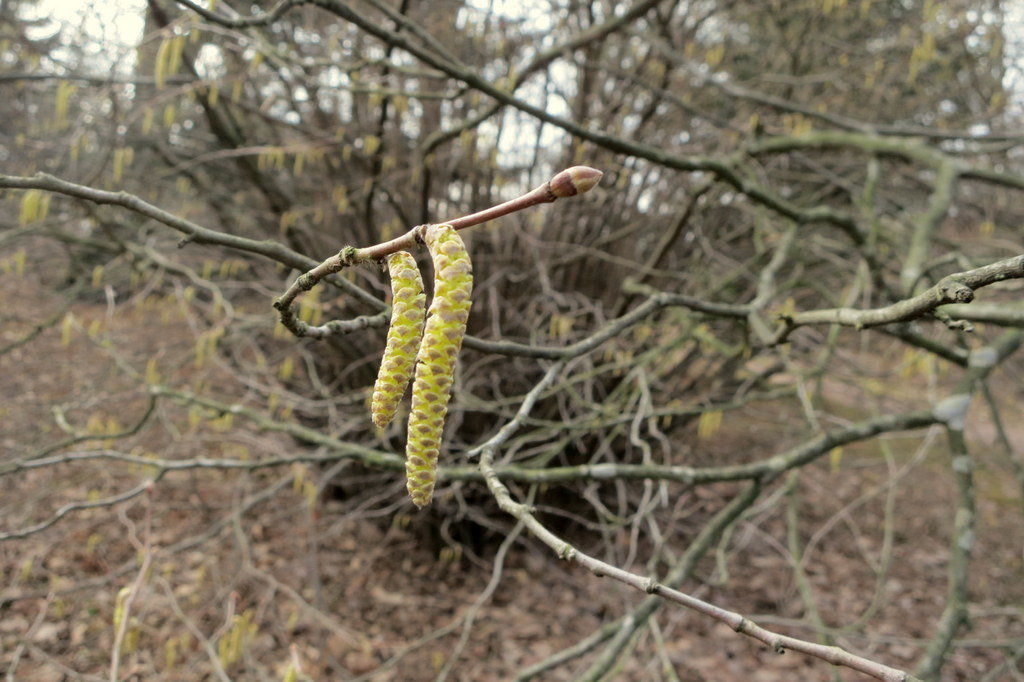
(567, 183)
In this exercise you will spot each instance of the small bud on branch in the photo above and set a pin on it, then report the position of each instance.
(567, 183)
(573, 181)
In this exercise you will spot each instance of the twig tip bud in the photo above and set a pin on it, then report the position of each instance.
(575, 180)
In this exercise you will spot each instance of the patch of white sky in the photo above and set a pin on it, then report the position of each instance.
(103, 33)
(1010, 23)
(1013, 33)
(519, 131)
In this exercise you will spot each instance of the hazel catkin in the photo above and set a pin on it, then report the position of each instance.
(408, 304)
(435, 361)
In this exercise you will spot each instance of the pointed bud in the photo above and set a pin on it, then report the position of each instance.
(573, 181)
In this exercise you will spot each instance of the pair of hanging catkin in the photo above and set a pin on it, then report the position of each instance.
(430, 347)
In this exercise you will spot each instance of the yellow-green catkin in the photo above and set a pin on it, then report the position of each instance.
(408, 306)
(435, 362)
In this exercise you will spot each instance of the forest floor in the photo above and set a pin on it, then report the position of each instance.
(249, 574)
